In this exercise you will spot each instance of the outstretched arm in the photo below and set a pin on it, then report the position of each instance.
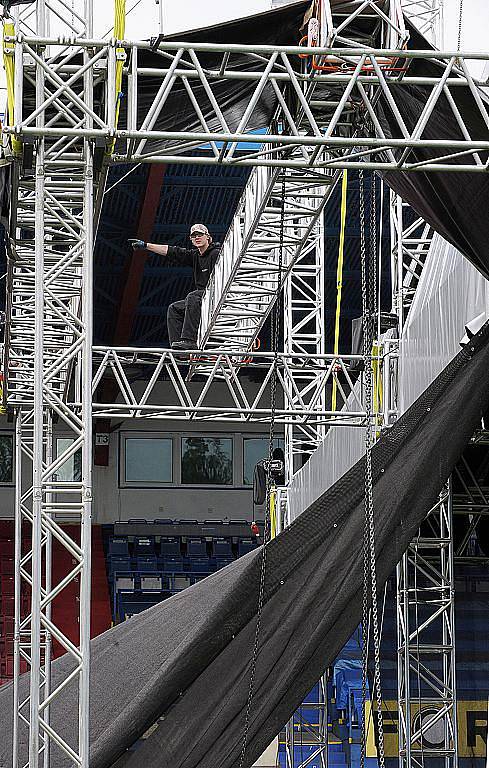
(137, 244)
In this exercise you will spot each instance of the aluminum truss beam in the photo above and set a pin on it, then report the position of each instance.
(328, 125)
(304, 326)
(426, 644)
(427, 16)
(275, 225)
(168, 395)
(49, 335)
(309, 726)
(411, 239)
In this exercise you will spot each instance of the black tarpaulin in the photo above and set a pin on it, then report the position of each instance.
(188, 658)
(452, 203)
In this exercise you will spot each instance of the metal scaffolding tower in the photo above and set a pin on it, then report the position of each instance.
(426, 643)
(49, 339)
(59, 134)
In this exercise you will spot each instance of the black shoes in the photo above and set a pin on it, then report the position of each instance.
(184, 344)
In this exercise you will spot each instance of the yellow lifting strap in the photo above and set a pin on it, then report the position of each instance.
(273, 512)
(9, 64)
(377, 381)
(339, 277)
(119, 32)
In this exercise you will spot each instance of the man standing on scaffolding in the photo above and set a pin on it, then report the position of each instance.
(184, 316)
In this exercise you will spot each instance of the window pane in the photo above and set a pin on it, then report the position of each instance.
(148, 460)
(70, 471)
(6, 458)
(255, 450)
(207, 460)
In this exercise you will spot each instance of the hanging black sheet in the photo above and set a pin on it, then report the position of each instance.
(453, 203)
(188, 659)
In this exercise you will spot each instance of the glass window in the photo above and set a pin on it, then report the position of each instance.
(6, 459)
(148, 459)
(255, 449)
(70, 470)
(207, 460)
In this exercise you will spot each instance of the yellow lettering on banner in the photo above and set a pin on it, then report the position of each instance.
(472, 727)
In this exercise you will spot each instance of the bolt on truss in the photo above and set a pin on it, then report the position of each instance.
(411, 239)
(49, 335)
(426, 644)
(167, 394)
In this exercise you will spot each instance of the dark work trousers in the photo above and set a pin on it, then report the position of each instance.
(184, 317)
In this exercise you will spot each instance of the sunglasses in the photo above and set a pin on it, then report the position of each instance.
(197, 234)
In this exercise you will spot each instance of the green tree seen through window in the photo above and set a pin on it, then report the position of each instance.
(207, 461)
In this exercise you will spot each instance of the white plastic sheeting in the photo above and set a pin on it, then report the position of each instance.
(340, 449)
(451, 293)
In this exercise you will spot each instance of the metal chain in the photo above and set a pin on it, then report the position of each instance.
(275, 336)
(365, 599)
(460, 20)
(369, 560)
(372, 272)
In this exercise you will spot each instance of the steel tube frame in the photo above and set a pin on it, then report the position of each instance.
(299, 401)
(426, 642)
(278, 65)
(50, 331)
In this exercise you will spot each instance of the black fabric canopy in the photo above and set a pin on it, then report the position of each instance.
(453, 203)
(188, 658)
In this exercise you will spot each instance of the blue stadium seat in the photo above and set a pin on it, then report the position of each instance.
(119, 565)
(169, 545)
(172, 564)
(196, 548)
(213, 522)
(146, 564)
(118, 546)
(152, 582)
(144, 546)
(221, 547)
(238, 522)
(201, 565)
(125, 580)
(221, 562)
(246, 545)
(179, 581)
(163, 521)
(135, 520)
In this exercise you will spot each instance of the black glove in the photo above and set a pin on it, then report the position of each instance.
(136, 244)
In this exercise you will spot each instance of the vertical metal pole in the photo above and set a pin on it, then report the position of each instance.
(48, 556)
(38, 438)
(86, 374)
(17, 561)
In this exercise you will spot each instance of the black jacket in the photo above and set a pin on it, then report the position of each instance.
(190, 257)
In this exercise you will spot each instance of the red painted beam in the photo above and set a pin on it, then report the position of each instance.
(132, 278)
(132, 275)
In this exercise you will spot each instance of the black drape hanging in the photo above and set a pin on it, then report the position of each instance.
(188, 658)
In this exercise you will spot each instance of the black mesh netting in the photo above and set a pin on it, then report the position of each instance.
(188, 658)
